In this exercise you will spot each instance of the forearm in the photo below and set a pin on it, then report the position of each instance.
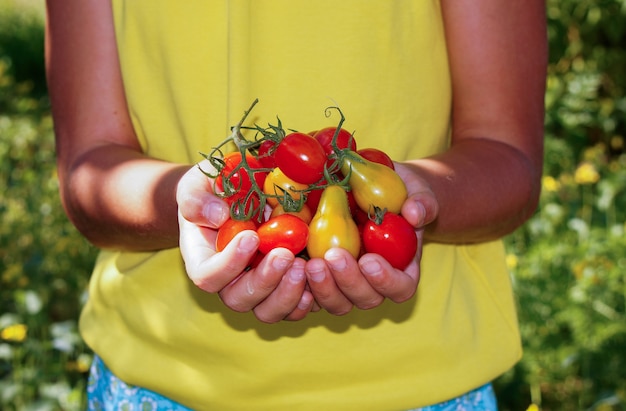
(119, 198)
(488, 182)
(484, 190)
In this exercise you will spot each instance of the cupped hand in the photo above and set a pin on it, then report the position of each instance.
(339, 282)
(274, 290)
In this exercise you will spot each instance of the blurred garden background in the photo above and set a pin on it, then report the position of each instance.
(568, 263)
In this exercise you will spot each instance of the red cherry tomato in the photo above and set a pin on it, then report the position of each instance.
(377, 156)
(301, 158)
(313, 199)
(230, 229)
(344, 139)
(393, 238)
(285, 230)
(246, 206)
(266, 153)
(237, 177)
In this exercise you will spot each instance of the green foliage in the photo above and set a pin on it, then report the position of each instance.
(585, 100)
(567, 262)
(44, 262)
(22, 46)
(568, 265)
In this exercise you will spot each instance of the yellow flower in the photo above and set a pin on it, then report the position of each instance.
(533, 407)
(511, 261)
(550, 184)
(82, 364)
(617, 142)
(586, 173)
(578, 269)
(15, 332)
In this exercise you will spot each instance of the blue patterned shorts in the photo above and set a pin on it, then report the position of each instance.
(106, 392)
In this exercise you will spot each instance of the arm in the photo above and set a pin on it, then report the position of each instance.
(115, 195)
(488, 183)
(120, 198)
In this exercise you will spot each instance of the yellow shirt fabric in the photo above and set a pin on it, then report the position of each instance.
(190, 70)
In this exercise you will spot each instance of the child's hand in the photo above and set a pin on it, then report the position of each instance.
(339, 282)
(274, 290)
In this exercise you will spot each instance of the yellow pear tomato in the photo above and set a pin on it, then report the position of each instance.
(333, 225)
(373, 184)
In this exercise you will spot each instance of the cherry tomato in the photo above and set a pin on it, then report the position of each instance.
(266, 153)
(313, 199)
(278, 184)
(313, 196)
(230, 229)
(332, 225)
(286, 230)
(304, 213)
(301, 157)
(234, 178)
(393, 238)
(245, 206)
(377, 156)
(352, 205)
(344, 139)
(360, 217)
(373, 184)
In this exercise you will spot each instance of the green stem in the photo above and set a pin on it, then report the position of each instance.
(236, 135)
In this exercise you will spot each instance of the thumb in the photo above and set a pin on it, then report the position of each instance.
(421, 207)
(196, 201)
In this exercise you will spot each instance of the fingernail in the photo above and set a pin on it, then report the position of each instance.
(304, 302)
(316, 274)
(337, 262)
(248, 244)
(215, 213)
(281, 263)
(371, 267)
(296, 275)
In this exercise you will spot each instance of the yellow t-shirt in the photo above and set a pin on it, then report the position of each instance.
(190, 70)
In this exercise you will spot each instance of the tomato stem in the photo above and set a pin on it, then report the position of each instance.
(376, 214)
(328, 113)
(245, 208)
(236, 135)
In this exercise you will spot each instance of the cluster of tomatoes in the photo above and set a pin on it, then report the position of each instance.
(309, 192)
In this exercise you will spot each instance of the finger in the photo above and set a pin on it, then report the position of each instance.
(327, 294)
(254, 286)
(394, 284)
(350, 281)
(212, 271)
(420, 209)
(421, 206)
(315, 307)
(304, 307)
(287, 297)
(196, 201)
